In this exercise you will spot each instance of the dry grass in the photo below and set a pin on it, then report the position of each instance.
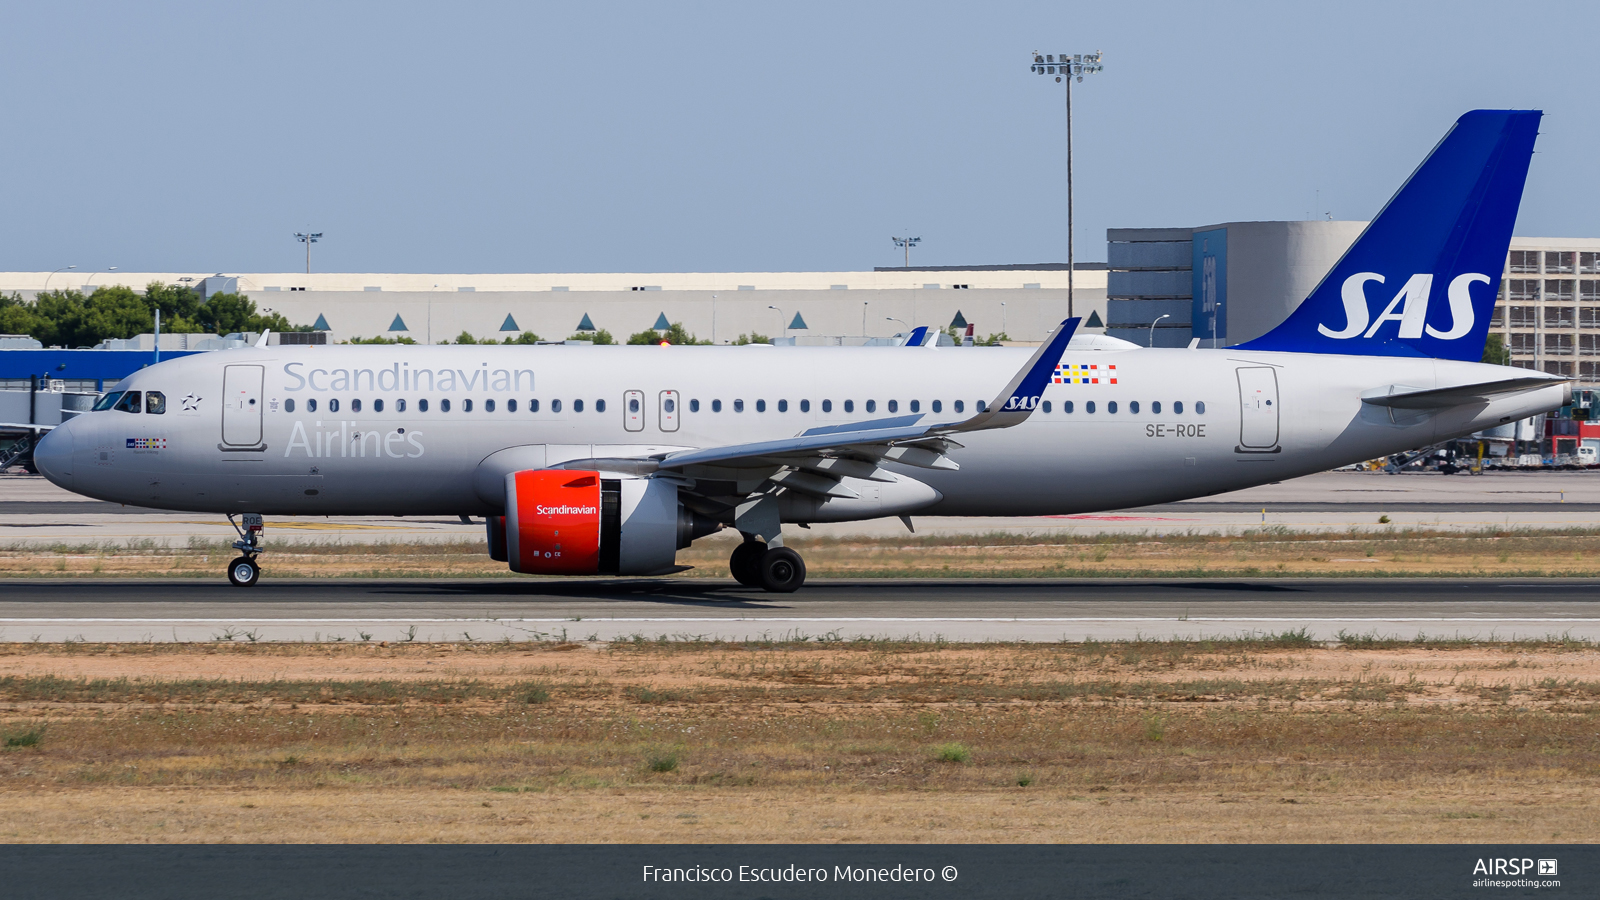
(1273, 740)
(1269, 551)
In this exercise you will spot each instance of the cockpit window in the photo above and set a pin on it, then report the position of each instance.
(106, 402)
(129, 402)
(155, 402)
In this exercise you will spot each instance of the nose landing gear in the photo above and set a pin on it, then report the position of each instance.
(245, 571)
(778, 570)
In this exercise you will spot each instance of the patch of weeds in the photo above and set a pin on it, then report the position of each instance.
(1024, 779)
(1155, 729)
(33, 737)
(651, 695)
(663, 760)
(537, 693)
(289, 762)
(952, 753)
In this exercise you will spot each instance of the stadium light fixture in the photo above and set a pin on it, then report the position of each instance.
(907, 243)
(1068, 68)
(308, 240)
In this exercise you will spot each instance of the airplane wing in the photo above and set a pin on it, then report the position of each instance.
(1398, 396)
(817, 460)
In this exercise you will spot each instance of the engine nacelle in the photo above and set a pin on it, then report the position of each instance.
(569, 522)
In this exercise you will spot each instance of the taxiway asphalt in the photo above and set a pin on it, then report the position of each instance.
(164, 610)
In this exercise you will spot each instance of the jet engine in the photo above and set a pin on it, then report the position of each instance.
(573, 522)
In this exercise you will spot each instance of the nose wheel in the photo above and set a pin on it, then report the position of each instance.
(778, 570)
(245, 571)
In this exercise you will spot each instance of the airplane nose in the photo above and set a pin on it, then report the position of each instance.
(53, 456)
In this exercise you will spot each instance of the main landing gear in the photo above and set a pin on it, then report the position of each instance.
(245, 571)
(776, 569)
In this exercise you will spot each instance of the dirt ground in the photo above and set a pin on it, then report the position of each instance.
(1271, 740)
(1271, 551)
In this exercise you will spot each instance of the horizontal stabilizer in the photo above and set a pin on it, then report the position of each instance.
(1397, 396)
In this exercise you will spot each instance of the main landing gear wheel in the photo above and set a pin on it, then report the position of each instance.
(782, 570)
(244, 572)
(744, 562)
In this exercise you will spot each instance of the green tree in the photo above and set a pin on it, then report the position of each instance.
(379, 339)
(992, 340)
(527, 337)
(1495, 351)
(466, 338)
(598, 337)
(674, 335)
(752, 338)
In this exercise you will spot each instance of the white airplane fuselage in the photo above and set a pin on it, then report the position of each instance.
(240, 431)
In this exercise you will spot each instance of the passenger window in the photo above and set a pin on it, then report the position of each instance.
(129, 402)
(488, 406)
(1088, 406)
(805, 406)
(872, 406)
(400, 405)
(827, 406)
(1047, 406)
(155, 403)
(938, 406)
(377, 406)
(1155, 407)
(599, 406)
(288, 405)
(555, 406)
(694, 406)
(783, 406)
(1199, 407)
(633, 404)
(511, 405)
(533, 406)
(894, 406)
(1133, 406)
(422, 405)
(466, 406)
(355, 406)
(1111, 407)
(761, 406)
(849, 406)
(916, 406)
(669, 404)
(333, 405)
(1177, 407)
(1066, 406)
(106, 402)
(577, 406)
(738, 406)
(716, 406)
(983, 406)
(311, 404)
(444, 405)
(961, 406)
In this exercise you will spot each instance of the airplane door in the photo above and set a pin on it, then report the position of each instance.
(1258, 409)
(633, 410)
(241, 405)
(669, 411)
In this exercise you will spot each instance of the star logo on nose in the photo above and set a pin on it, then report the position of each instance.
(190, 403)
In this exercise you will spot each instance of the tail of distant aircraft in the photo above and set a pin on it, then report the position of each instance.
(1423, 277)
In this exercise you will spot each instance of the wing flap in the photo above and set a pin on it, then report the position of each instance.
(1397, 396)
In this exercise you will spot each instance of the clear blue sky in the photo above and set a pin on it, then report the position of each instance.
(489, 137)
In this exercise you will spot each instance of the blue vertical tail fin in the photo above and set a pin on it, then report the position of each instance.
(1421, 280)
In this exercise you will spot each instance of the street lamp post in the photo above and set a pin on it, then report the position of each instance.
(908, 243)
(90, 281)
(52, 275)
(781, 322)
(309, 239)
(1153, 327)
(1070, 67)
(1003, 313)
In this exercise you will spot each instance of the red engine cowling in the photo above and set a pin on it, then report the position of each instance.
(565, 522)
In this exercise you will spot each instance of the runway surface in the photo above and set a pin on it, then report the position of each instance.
(956, 610)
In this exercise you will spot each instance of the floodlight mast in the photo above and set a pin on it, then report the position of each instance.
(308, 240)
(1070, 67)
(908, 243)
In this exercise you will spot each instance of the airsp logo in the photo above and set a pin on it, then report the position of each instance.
(1409, 307)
